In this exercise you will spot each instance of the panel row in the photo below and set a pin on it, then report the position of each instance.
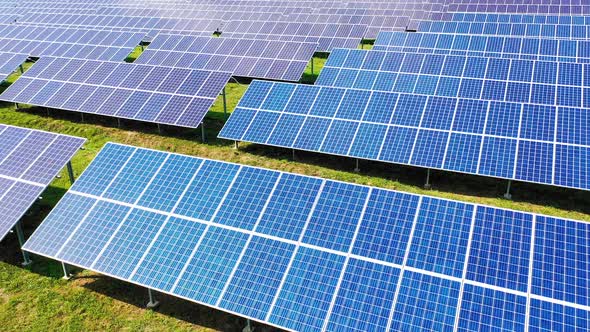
(248, 240)
(507, 29)
(71, 36)
(174, 96)
(237, 47)
(489, 46)
(540, 144)
(506, 80)
(517, 18)
(41, 49)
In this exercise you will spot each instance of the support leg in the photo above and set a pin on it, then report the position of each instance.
(236, 145)
(21, 241)
(294, 157)
(224, 103)
(71, 173)
(427, 185)
(119, 123)
(248, 327)
(22, 70)
(356, 168)
(203, 135)
(507, 195)
(82, 117)
(312, 66)
(159, 129)
(67, 275)
(153, 303)
(16, 105)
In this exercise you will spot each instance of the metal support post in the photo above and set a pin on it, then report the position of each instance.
(67, 274)
(427, 185)
(119, 123)
(248, 327)
(203, 135)
(16, 105)
(356, 168)
(152, 304)
(71, 172)
(82, 116)
(224, 103)
(236, 145)
(312, 66)
(21, 241)
(159, 129)
(507, 195)
(294, 157)
(22, 70)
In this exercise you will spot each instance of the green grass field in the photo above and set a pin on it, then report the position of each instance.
(35, 298)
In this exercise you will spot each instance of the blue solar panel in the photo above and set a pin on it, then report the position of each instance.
(122, 90)
(202, 53)
(484, 309)
(414, 310)
(301, 253)
(492, 138)
(29, 161)
(453, 75)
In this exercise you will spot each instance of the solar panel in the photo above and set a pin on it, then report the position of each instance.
(543, 49)
(516, 141)
(561, 31)
(255, 243)
(29, 161)
(9, 62)
(79, 43)
(515, 18)
(477, 78)
(547, 7)
(243, 57)
(164, 95)
(326, 35)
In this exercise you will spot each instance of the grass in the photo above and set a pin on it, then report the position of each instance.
(36, 299)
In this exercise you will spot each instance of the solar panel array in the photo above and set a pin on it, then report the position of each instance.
(163, 95)
(544, 49)
(29, 161)
(555, 7)
(515, 18)
(243, 57)
(327, 36)
(303, 253)
(531, 143)
(564, 31)
(78, 43)
(478, 78)
(9, 62)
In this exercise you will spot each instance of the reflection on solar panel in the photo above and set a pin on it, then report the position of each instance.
(545, 49)
(507, 29)
(243, 57)
(308, 254)
(9, 62)
(29, 161)
(526, 142)
(326, 35)
(478, 78)
(79, 43)
(174, 96)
